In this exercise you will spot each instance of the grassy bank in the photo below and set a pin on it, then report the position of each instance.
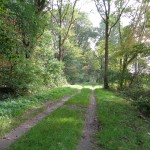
(11, 110)
(60, 130)
(121, 127)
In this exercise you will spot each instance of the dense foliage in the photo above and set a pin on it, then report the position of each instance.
(140, 98)
(44, 44)
(25, 64)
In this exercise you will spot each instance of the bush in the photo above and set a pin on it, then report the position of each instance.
(140, 97)
(143, 104)
(135, 93)
(27, 76)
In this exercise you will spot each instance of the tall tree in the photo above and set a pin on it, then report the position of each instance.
(20, 26)
(110, 12)
(84, 31)
(133, 38)
(63, 17)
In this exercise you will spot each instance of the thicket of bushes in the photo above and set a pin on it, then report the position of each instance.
(140, 97)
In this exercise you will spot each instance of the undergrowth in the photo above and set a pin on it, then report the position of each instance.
(140, 98)
(11, 110)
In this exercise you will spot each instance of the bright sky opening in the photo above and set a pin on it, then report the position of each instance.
(90, 8)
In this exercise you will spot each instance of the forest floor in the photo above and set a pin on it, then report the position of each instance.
(92, 119)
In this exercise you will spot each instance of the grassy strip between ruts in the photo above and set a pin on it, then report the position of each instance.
(121, 126)
(11, 111)
(61, 130)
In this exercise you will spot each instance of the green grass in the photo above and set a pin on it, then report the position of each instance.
(121, 128)
(61, 130)
(80, 99)
(89, 85)
(12, 109)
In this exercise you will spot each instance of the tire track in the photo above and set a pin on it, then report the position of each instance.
(90, 127)
(16, 133)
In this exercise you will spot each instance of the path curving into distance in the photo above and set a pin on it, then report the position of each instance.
(16, 133)
(90, 127)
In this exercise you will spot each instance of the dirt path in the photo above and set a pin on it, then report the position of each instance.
(90, 127)
(16, 133)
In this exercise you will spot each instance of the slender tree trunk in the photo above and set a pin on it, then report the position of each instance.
(60, 36)
(120, 64)
(106, 86)
(60, 49)
(122, 78)
(124, 67)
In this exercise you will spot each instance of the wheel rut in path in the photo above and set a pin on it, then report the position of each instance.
(16, 133)
(90, 127)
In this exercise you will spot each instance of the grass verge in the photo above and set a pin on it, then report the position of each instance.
(121, 126)
(11, 111)
(61, 130)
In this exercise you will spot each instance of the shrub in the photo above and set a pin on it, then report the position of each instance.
(135, 93)
(143, 104)
(140, 97)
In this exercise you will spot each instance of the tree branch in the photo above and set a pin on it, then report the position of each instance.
(71, 22)
(65, 13)
(98, 9)
(118, 17)
(106, 11)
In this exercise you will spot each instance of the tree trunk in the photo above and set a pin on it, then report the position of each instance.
(122, 78)
(106, 86)
(60, 49)
(124, 67)
(60, 36)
